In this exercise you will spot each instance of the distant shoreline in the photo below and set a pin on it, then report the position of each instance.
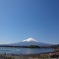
(31, 46)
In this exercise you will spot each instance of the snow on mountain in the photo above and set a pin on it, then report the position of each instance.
(30, 40)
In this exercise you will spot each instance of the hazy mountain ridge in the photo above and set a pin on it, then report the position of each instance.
(29, 42)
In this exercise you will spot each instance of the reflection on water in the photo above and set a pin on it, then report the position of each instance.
(24, 50)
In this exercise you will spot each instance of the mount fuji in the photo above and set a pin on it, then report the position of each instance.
(30, 41)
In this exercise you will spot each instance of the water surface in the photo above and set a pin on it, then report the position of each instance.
(20, 51)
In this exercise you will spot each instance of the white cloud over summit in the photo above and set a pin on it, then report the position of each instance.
(30, 40)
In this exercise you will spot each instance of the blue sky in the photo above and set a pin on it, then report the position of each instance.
(22, 19)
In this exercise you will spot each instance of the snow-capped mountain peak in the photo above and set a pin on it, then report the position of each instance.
(30, 40)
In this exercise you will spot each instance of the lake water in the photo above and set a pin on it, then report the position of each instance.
(20, 51)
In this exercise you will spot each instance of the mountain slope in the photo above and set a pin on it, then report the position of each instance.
(30, 43)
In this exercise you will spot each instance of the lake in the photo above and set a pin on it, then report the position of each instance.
(25, 51)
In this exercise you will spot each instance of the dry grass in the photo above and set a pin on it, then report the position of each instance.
(41, 56)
